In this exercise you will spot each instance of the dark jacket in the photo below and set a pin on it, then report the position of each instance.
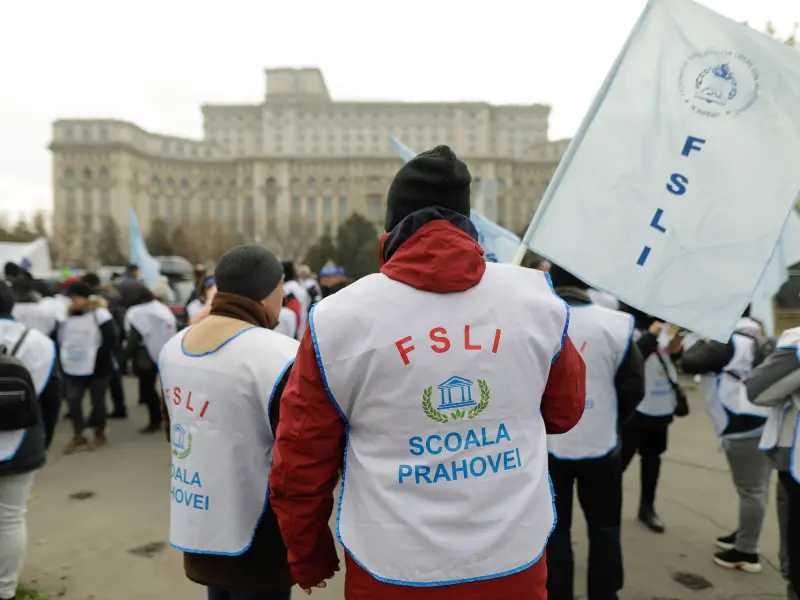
(708, 357)
(430, 251)
(629, 379)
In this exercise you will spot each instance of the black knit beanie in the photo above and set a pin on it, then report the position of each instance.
(80, 289)
(434, 178)
(249, 271)
(562, 278)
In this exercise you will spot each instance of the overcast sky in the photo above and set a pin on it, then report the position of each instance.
(154, 62)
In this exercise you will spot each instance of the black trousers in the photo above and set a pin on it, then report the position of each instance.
(599, 483)
(76, 389)
(793, 526)
(149, 395)
(650, 443)
(115, 385)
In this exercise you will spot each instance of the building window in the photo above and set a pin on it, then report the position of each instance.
(105, 202)
(311, 208)
(341, 185)
(104, 175)
(154, 207)
(86, 134)
(327, 208)
(184, 188)
(170, 209)
(296, 207)
(204, 208)
(249, 218)
(374, 206)
(185, 210)
(342, 209)
(87, 174)
(71, 204)
(170, 185)
(220, 210)
(103, 133)
(69, 134)
(232, 210)
(272, 207)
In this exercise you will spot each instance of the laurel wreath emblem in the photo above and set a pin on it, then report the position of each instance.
(456, 415)
(183, 453)
(428, 409)
(484, 403)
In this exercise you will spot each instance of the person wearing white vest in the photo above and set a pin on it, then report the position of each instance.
(434, 398)
(287, 323)
(588, 455)
(199, 307)
(775, 384)
(149, 324)
(739, 423)
(646, 433)
(222, 381)
(22, 451)
(297, 298)
(29, 310)
(87, 339)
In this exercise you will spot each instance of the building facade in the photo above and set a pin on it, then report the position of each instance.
(283, 172)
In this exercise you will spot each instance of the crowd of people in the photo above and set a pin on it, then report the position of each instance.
(458, 426)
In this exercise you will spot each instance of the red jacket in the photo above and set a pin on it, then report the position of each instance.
(309, 448)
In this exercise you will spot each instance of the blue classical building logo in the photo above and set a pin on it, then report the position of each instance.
(719, 83)
(455, 400)
(181, 442)
(463, 393)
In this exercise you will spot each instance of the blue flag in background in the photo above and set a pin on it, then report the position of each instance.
(787, 253)
(149, 267)
(498, 243)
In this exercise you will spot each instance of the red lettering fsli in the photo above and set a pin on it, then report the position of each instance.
(176, 397)
(438, 335)
(403, 350)
(496, 345)
(189, 402)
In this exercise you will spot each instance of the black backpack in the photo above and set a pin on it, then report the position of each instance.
(18, 402)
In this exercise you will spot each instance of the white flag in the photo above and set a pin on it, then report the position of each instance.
(674, 192)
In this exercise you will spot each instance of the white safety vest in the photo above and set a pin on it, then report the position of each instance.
(79, 339)
(659, 394)
(287, 323)
(446, 446)
(603, 299)
(194, 307)
(155, 323)
(726, 390)
(299, 292)
(222, 441)
(34, 316)
(602, 337)
(769, 438)
(57, 305)
(38, 354)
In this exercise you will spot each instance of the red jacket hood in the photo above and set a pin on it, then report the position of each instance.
(438, 257)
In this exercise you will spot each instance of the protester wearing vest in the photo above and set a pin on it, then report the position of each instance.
(87, 339)
(739, 424)
(110, 298)
(296, 298)
(287, 323)
(22, 451)
(28, 309)
(435, 399)
(588, 455)
(149, 324)
(202, 302)
(646, 431)
(775, 384)
(222, 381)
(306, 279)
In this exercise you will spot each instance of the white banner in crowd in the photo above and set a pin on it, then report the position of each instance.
(678, 183)
(149, 267)
(499, 244)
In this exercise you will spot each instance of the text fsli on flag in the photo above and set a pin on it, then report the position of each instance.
(675, 190)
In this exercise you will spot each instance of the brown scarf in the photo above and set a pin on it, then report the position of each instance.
(241, 308)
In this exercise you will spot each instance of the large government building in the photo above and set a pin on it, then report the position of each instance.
(285, 171)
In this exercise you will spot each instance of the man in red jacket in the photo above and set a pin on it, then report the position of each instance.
(431, 385)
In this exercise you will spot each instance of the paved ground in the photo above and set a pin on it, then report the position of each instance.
(112, 545)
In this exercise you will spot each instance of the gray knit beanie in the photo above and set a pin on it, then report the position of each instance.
(249, 271)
